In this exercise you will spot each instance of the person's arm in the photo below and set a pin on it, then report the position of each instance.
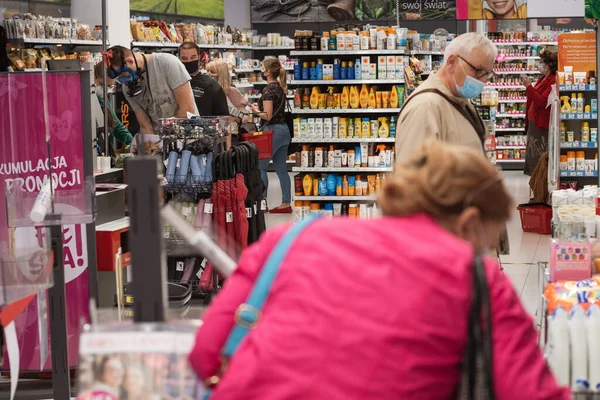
(185, 100)
(218, 321)
(120, 132)
(178, 80)
(418, 122)
(267, 112)
(519, 369)
(220, 106)
(144, 121)
(539, 98)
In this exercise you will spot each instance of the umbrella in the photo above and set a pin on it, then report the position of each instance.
(239, 200)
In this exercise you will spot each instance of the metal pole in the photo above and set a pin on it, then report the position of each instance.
(146, 240)
(61, 380)
(104, 83)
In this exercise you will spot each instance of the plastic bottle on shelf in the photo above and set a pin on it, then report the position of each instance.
(351, 71)
(580, 103)
(573, 102)
(320, 69)
(333, 41)
(357, 69)
(325, 41)
(585, 131)
(563, 132)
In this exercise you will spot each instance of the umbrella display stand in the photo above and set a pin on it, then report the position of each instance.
(190, 148)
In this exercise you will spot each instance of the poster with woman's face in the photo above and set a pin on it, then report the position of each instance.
(491, 9)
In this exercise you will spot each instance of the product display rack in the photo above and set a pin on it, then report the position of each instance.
(342, 169)
(576, 152)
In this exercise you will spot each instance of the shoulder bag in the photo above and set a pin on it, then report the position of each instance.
(248, 313)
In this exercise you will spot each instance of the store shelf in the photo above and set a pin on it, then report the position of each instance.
(510, 147)
(512, 101)
(335, 198)
(171, 45)
(264, 48)
(515, 58)
(578, 88)
(578, 116)
(161, 45)
(425, 53)
(53, 42)
(510, 115)
(579, 145)
(505, 87)
(252, 70)
(333, 53)
(244, 85)
(347, 111)
(526, 72)
(343, 140)
(509, 130)
(526, 43)
(341, 169)
(577, 174)
(349, 82)
(258, 96)
(511, 161)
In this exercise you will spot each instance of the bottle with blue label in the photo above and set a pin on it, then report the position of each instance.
(351, 72)
(297, 70)
(344, 70)
(305, 71)
(393, 127)
(336, 69)
(320, 69)
(313, 71)
(357, 69)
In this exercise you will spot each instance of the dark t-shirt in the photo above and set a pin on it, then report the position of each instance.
(209, 96)
(274, 93)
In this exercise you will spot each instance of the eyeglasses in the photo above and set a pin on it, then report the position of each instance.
(479, 73)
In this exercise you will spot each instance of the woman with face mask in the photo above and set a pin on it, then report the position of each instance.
(538, 111)
(378, 309)
(271, 109)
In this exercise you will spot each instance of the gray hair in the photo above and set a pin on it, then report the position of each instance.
(465, 43)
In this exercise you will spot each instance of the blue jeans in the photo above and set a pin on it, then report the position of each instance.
(281, 142)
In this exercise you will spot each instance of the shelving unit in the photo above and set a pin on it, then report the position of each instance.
(335, 198)
(348, 82)
(344, 140)
(333, 53)
(348, 111)
(342, 169)
(573, 145)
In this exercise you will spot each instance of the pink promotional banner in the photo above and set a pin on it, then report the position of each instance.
(491, 9)
(25, 165)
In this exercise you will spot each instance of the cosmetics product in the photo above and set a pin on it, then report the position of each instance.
(319, 157)
(362, 211)
(306, 209)
(374, 128)
(338, 186)
(328, 128)
(298, 214)
(337, 209)
(315, 187)
(358, 186)
(310, 127)
(345, 186)
(391, 67)
(304, 156)
(307, 185)
(357, 157)
(42, 203)
(331, 157)
(568, 75)
(318, 128)
(335, 127)
(351, 185)
(328, 211)
(344, 160)
(364, 154)
(298, 190)
(331, 185)
(323, 191)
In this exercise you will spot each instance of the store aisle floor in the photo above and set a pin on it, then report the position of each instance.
(527, 249)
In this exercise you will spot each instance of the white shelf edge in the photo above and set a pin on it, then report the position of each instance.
(512, 101)
(510, 161)
(509, 130)
(510, 147)
(505, 87)
(510, 115)
(348, 82)
(344, 140)
(345, 111)
(335, 198)
(345, 52)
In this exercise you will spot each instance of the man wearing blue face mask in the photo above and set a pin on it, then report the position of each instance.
(440, 108)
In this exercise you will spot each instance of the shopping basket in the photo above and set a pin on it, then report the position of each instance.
(536, 218)
(263, 140)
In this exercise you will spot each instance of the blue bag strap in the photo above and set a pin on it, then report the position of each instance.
(248, 313)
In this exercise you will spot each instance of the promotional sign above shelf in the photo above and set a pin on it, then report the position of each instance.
(209, 9)
(519, 9)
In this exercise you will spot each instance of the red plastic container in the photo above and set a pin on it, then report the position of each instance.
(262, 140)
(536, 218)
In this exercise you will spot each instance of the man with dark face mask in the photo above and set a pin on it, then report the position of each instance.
(155, 85)
(208, 94)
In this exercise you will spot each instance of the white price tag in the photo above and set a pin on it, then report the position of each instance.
(263, 205)
(204, 262)
(179, 266)
(248, 212)
(255, 208)
(166, 235)
(208, 208)
(229, 217)
(186, 211)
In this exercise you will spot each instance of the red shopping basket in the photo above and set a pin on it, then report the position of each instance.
(262, 140)
(536, 218)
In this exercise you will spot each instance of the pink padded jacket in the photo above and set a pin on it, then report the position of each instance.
(367, 310)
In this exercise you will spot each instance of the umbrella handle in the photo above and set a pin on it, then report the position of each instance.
(216, 166)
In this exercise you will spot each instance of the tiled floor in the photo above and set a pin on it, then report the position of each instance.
(527, 249)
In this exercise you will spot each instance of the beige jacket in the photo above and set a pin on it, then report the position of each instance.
(429, 115)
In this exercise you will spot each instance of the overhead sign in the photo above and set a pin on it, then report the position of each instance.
(491, 9)
(577, 50)
(427, 9)
(555, 8)
(209, 9)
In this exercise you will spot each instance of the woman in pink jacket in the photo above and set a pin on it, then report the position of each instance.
(378, 309)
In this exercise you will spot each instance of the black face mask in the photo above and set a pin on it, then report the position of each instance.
(192, 66)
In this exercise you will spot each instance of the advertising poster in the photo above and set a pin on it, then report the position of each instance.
(592, 9)
(264, 11)
(491, 9)
(209, 9)
(24, 161)
(577, 50)
(427, 9)
(555, 8)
